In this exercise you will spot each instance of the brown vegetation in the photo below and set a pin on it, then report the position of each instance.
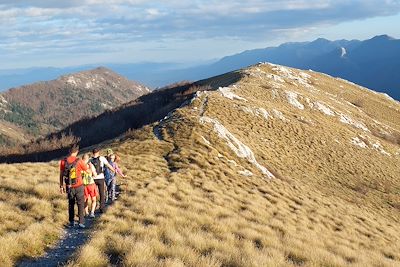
(45, 107)
(52, 143)
(176, 84)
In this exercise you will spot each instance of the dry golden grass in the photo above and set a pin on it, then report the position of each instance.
(205, 215)
(185, 202)
(31, 210)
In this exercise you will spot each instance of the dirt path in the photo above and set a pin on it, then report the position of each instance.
(157, 128)
(70, 241)
(203, 105)
(157, 132)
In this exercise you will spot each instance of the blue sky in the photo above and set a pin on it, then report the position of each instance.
(76, 32)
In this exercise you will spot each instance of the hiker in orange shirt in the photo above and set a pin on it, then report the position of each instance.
(71, 173)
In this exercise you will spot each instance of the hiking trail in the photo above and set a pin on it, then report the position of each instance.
(157, 131)
(70, 241)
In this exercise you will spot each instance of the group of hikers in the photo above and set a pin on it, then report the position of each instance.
(87, 179)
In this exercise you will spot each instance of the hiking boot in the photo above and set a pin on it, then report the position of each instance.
(71, 224)
(91, 215)
(82, 226)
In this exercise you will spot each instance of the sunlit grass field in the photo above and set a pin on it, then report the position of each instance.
(32, 211)
(187, 201)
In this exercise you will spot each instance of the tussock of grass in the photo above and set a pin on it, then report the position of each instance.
(31, 210)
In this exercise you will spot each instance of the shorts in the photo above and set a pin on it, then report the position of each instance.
(90, 191)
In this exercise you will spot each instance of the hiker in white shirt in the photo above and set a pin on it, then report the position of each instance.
(99, 163)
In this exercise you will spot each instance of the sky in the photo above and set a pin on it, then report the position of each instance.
(78, 32)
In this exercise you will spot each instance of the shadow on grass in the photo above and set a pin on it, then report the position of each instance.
(111, 124)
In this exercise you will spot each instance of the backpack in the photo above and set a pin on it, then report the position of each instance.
(97, 165)
(69, 174)
(87, 178)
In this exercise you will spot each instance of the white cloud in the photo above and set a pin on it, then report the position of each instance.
(29, 25)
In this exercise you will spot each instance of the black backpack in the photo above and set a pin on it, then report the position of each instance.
(97, 165)
(69, 174)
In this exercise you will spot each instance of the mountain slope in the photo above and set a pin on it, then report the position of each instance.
(11, 134)
(44, 107)
(266, 166)
(282, 168)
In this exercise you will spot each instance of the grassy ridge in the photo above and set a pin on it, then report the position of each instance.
(187, 204)
(203, 214)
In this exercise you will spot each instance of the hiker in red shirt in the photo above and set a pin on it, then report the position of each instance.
(70, 173)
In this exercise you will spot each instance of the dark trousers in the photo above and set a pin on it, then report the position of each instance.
(111, 189)
(76, 195)
(101, 186)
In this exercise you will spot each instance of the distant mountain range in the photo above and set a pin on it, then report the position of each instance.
(372, 63)
(18, 77)
(43, 107)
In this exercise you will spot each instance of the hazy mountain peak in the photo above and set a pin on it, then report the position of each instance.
(383, 37)
(90, 78)
(320, 41)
